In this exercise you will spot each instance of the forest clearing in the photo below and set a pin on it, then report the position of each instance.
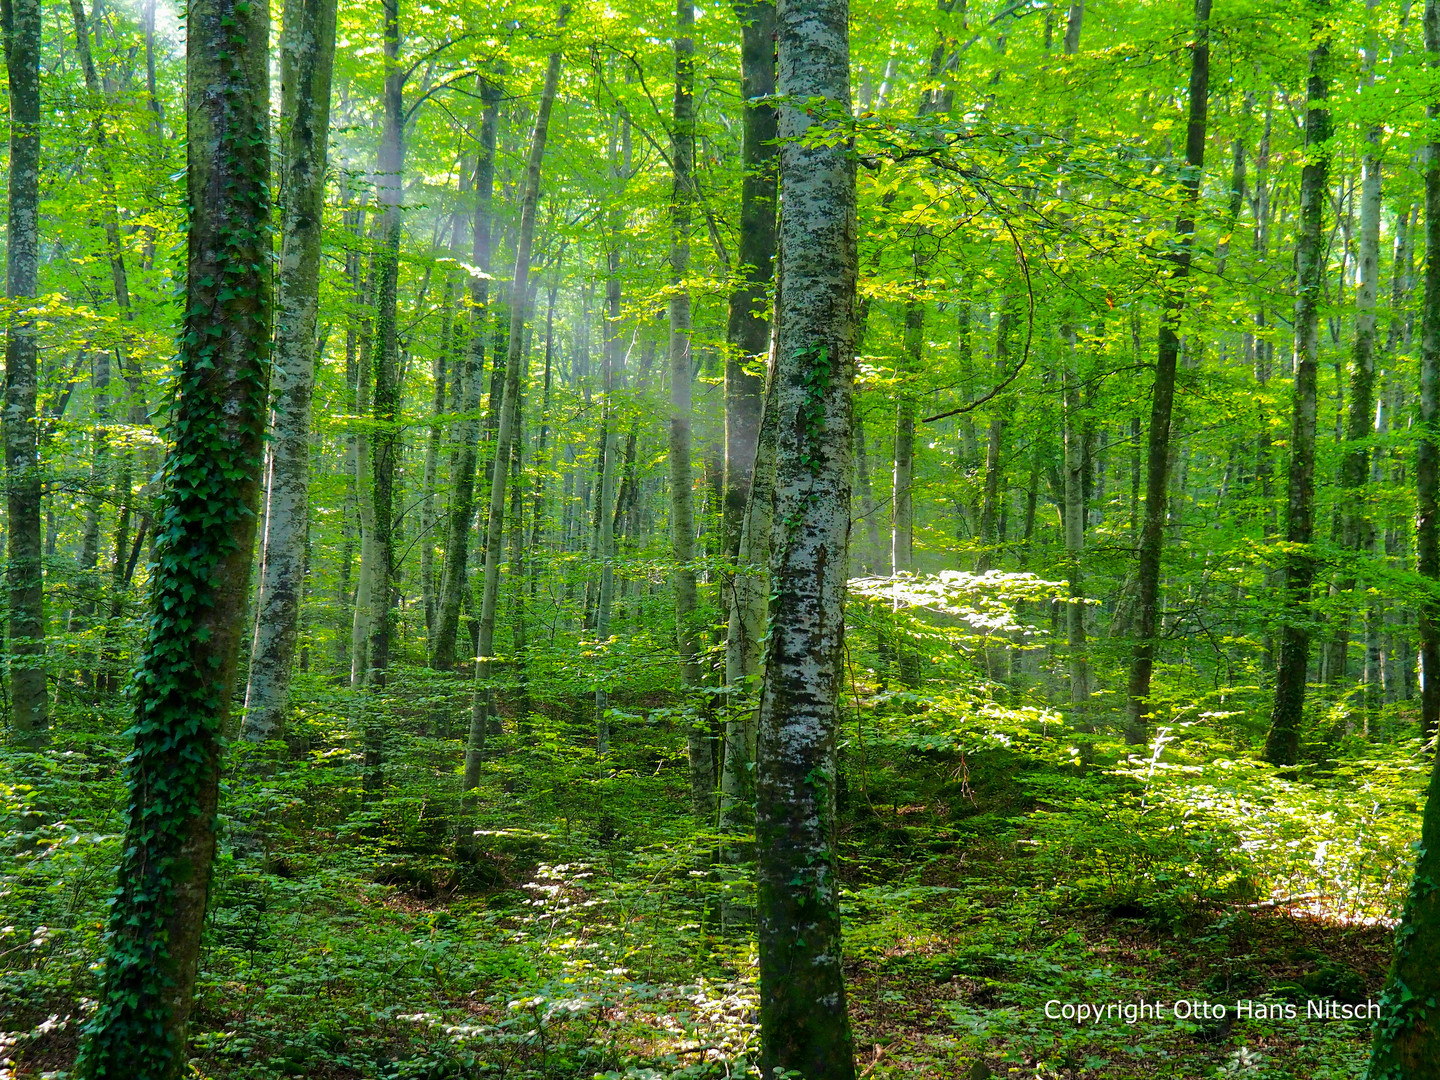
(791, 539)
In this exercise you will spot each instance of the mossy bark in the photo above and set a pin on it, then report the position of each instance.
(24, 578)
(1427, 452)
(1407, 1035)
(307, 53)
(1162, 398)
(1282, 743)
(803, 1021)
(206, 536)
(682, 502)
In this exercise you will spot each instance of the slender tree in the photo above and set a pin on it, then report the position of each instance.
(385, 358)
(803, 1020)
(748, 326)
(1427, 454)
(24, 577)
(307, 55)
(1157, 463)
(205, 543)
(682, 503)
(508, 420)
(1282, 744)
(467, 434)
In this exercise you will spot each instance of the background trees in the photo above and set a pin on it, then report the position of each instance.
(531, 503)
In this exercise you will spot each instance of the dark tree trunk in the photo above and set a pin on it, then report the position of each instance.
(386, 370)
(205, 542)
(1427, 457)
(467, 435)
(1282, 743)
(682, 503)
(508, 421)
(1152, 534)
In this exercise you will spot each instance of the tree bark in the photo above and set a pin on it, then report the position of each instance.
(467, 435)
(1152, 536)
(440, 366)
(24, 574)
(1407, 1037)
(385, 358)
(873, 561)
(1427, 456)
(748, 328)
(803, 1021)
(1356, 531)
(203, 554)
(682, 505)
(1075, 532)
(307, 54)
(609, 453)
(508, 420)
(1282, 743)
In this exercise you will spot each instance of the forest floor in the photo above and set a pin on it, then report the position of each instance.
(361, 941)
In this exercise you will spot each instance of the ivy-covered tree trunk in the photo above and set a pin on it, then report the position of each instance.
(1162, 401)
(24, 577)
(1282, 743)
(205, 542)
(467, 435)
(682, 503)
(307, 54)
(1407, 1034)
(508, 420)
(803, 1021)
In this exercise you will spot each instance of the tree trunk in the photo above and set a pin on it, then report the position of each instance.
(1360, 407)
(748, 328)
(440, 366)
(205, 544)
(989, 508)
(24, 575)
(467, 435)
(682, 506)
(1075, 533)
(307, 53)
(1282, 743)
(1407, 1038)
(803, 1021)
(873, 561)
(744, 652)
(385, 372)
(1152, 536)
(610, 363)
(1427, 456)
(902, 528)
(508, 421)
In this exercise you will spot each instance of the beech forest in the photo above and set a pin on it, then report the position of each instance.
(774, 539)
